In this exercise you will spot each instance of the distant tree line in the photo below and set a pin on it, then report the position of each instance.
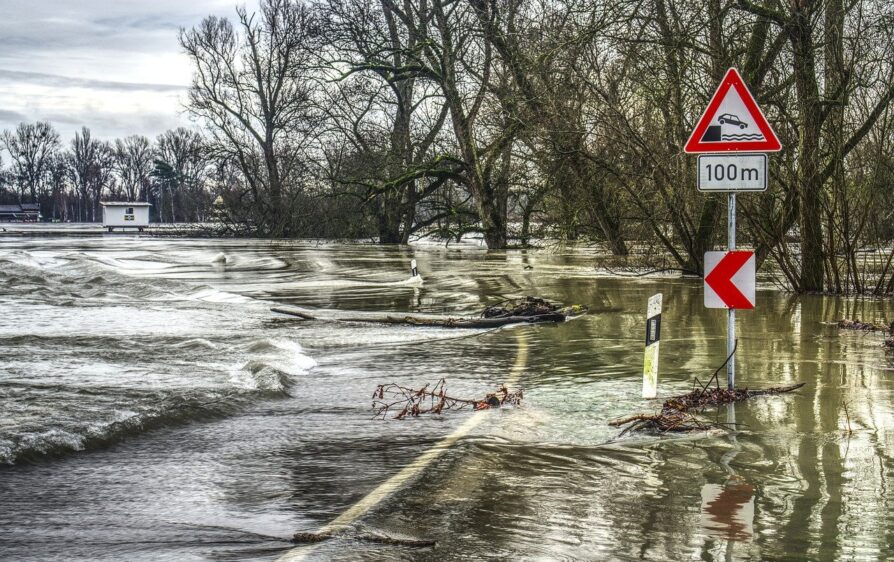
(526, 119)
(175, 173)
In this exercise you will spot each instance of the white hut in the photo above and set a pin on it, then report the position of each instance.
(127, 214)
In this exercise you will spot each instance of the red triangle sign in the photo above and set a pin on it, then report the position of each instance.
(733, 122)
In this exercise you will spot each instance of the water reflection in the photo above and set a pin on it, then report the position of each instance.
(728, 509)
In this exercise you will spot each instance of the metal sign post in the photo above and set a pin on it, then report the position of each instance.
(731, 125)
(731, 319)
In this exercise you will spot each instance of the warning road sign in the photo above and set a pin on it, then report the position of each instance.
(732, 122)
(730, 279)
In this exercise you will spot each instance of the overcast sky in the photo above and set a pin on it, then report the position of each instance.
(112, 65)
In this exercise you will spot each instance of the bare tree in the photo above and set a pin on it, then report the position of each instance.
(58, 180)
(91, 164)
(82, 161)
(391, 117)
(180, 164)
(253, 89)
(133, 163)
(826, 78)
(31, 147)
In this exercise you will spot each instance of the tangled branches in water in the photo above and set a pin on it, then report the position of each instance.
(680, 413)
(417, 401)
(846, 324)
(662, 422)
(676, 412)
(888, 343)
(531, 307)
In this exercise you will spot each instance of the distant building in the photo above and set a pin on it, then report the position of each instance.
(25, 212)
(125, 214)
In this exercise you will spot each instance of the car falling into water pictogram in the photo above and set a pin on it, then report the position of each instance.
(731, 119)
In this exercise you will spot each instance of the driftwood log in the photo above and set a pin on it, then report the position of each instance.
(309, 538)
(529, 310)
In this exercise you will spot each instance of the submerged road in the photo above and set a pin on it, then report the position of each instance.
(406, 474)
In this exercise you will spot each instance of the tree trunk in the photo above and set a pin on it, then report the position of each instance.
(392, 202)
(277, 215)
(810, 181)
(173, 219)
(389, 221)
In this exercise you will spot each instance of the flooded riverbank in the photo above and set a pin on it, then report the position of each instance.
(152, 407)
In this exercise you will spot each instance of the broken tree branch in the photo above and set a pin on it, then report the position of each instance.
(529, 310)
(415, 402)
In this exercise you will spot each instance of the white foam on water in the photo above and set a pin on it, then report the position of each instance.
(210, 294)
(271, 365)
(415, 280)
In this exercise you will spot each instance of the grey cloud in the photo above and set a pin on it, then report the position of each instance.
(150, 22)
(7, 116)
(108, 126)
(60, 81)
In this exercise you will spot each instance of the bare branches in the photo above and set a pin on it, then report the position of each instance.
(681, 413)
(31, 147)
(390, 398)
(253, 89)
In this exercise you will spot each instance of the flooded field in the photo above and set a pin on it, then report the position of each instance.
(152, 407)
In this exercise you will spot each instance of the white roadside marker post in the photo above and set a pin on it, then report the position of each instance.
(413, 271)
(653, 337)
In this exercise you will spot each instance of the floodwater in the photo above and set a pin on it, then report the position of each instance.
(153, 408)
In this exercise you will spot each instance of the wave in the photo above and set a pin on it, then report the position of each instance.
(134, 360)
(285, 355)
(266, 378)
(79, 279)
(210, 294)
(195, 344)
(742, 137)
(84, 409)
(64, 436)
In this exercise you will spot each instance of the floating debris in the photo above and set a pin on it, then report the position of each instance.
(528, 310)
(417, 401)
(531, 306)
(676, 412)
(680, 413)
(845, 324)
(662, 422)
(701, 398)
(309, 538)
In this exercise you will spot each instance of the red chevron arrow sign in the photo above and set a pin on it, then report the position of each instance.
(729, 279)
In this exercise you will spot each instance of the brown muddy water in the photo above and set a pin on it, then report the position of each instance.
(153, 408)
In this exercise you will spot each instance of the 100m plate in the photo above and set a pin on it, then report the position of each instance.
(732, 172)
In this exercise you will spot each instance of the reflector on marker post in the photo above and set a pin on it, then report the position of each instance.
(413, 268)
(653, 337)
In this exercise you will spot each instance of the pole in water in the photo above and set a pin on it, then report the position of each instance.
(731, 319)
(653, 337)
(413, 269)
